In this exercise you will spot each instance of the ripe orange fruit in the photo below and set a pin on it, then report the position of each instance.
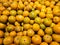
(26, 20)
(31, 21)
(47, 21)
(48, 30)
(19, 33)
(42, 14)
(56, 28)
(47, 38)
(2, 26)
(56, 37)
(25, 40)
(24, 33)
(49, 15)
(36, 39)
(25, 13)
(3, 18)
(17, 40)
(11, 19)
(44, 43)
(19, 12)
(7, 40)
(19, 18)
(6, 12)
(6, 34)
(14, 5)
(30, 32)
(56, 19)
(27, 26)
(54, 43)
(13, 12)
(36, 27)
(41, 32)
(12, 33)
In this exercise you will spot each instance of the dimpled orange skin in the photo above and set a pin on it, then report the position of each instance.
(56, 28)
(36, 39)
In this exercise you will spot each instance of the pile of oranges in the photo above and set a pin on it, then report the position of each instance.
(29, 22)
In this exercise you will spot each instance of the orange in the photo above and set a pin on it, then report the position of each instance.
(2, 26)
(19, 33)
(27, 26)
(2, 8)
(56, 37)
(6, 34)
(24, 33)
(7, 40)
(6, 4)
(5, 12)
(47, 3)
(31, 21)
(49, 16)
(47, 38)
(44, 43)
(19, 18)
(52, 25)
(47, 21)
(12, 33)
(42, 14)
(41, 32)
(26, 3)
(56, 28)
(36, 27)
(30, 32)
(36, 39)
(20, 12)
(56, 19)
(14, 5)
(3, 18)
(13, 12)
(54, 43)
(10, 28)
(17, 40)
(26, 20)
(17, 28)
(1, 33)
(25, 13)
(25, 40)
(20, 5)
(48, 30)
(11, 19)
